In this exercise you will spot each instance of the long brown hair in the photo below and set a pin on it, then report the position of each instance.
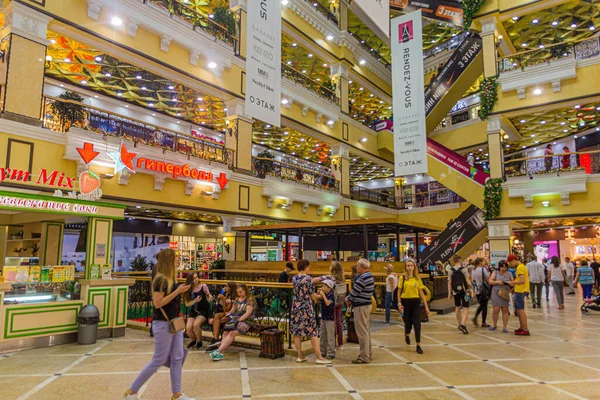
(337, 271)
(165, 268)
(189, 281)
(415, 270)
(232, 290)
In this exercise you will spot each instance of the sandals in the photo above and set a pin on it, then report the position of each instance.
(359, 361)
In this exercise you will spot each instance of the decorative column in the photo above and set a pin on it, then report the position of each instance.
(494, 135)
(240, 7)
(234, 243)
(51, 243)
(343, 15)
(238, 137)
(340, 167)
(99, 240)
(22, 60)
(339, 74)
(488, 36)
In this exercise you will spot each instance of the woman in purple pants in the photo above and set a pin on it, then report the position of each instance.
(168, 346)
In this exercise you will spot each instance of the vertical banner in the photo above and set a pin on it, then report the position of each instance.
(410, 133)
(442, 10)
(263, 65)
(376, 14)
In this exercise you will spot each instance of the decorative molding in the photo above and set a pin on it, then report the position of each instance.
(319, 117)
(351, 43)
(81, 167)
(304, 111)
(165, 42)
(194, 56)
(555, 85)
(494, 124)
(93, 9)
(289, 104)
(26, 21)
(521, 92)
(216, 192)
(499, 230)
(528, 201)
(551, 72)
(305, 207)
(288, 206)
(123, 177)
(270, 201)
(308, 100)
(319, 210)
(431, 64)
(232, 221)
(290, 191)
(340, 150)
(565, 199)
(563, 185)
(235, 4)
(132, 27)
(189, 188)
(159, 182)
(314, 18)
(340, 68)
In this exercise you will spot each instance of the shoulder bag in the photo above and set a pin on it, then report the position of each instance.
(176, 324)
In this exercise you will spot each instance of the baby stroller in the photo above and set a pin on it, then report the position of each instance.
(591, 305)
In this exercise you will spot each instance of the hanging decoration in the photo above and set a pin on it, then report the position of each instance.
(488, 96)
(492, 196)
(470, 8)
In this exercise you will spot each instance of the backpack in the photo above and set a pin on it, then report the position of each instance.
(458, 281)
(339, 292)
(485, 290)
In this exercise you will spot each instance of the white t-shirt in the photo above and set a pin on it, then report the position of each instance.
(471, 160)
(391, 283)
(570, 269)
(556, 274)
(536, 272)
(478, 275)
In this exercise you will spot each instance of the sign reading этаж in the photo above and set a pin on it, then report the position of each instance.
(263, 65)
(410, 134)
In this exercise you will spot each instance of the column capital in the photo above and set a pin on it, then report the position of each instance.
(340, 150)
(341, 69)
(26, 22)
(494, 124)
(229, 221)
(236, 109)
(488, 26)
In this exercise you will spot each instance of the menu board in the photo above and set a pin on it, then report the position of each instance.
(10, 274)
(22, 274)
(58, 274)
(35, 274)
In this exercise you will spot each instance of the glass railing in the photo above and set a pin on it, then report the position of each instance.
(436, 197)
(554, 164)
(177, 9)
(363, 43)
(263, 167)
(323, 10)
(313, 86)
(140, 133)
(580, 50)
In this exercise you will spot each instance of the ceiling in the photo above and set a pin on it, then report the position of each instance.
(305, 62)
(154, 213)
(565, 22)
(559, 222)
(75, 63)
(365, 170)
(365, 106)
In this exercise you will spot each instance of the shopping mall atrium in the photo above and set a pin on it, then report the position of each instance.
(235, 136)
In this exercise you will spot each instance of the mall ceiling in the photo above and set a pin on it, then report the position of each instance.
(304, 62)
(365, 106)
(77, 64)
(539, 224)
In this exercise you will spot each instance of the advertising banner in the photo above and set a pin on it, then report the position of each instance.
(455, 237)
(497, 256)
(263, 65)
(441, 10)
(377, 11)
(545, 250)
(410, 133)
(456, 161)
(454, 67)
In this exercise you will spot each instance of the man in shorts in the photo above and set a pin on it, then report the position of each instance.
(461, 295)
(521, 287)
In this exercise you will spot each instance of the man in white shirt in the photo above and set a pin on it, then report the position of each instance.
(570, 270)
(536, 280)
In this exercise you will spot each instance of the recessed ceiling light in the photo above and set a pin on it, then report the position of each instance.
(523, 44)
(523, 147)
(286, 133)
(573, 25)
(154, 114)
(537, 141)
(575, 136)
(362, 62)
(592, 28)
(96, 96)
(303, 71)
(363, 139)
(98, 58)
(330, 37)
(500, 37)
(119, 94)
(84, 82)
(289, 62)
(565, 130)
(285, 101)
(150, 104)
(577, 106)
(554, 23)
(179, 114)
(537, 92)
(107, 74)
(171, 87)
(515, 18)
(542, 122)
(541, 46)
(508, 145)
(268, 126)
(294, 44)
(522, 121)
(212, 65)
(535, 21)
(293, 153)
(325, 65)
(116, 21)
(532, 135)
(563, 123)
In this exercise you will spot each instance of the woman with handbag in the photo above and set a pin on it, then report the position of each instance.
(499, 281)
(239, 322)
(558, 278)
(168, 327)
(412, 294)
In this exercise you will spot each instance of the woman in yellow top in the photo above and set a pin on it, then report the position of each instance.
(411, 292)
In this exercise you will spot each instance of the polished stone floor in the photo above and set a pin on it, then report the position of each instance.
(561, 360)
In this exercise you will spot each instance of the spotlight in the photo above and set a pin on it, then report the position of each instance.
(116, 21)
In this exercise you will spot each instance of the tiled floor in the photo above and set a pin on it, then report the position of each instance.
(561, 360)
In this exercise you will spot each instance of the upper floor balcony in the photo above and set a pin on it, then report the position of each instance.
(418, 196)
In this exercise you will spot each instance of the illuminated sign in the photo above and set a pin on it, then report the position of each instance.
(181, 171)
(47, 205)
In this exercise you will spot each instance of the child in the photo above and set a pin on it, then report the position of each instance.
(327, 319)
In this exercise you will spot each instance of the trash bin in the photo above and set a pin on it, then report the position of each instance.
(88, 319)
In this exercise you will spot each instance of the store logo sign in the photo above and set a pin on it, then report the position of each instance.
(46, 205)
(54, 178)
(405, 32)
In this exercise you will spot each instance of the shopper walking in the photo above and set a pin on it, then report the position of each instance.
(548, 153)
(570, 271)
(360, 300)
(585, 277)
(411, 293)
(546, 263)
(521, 287)
(168, 346)
(482, 290)
(558, 277)
(303, 323)
(461, 290)
(391, 285)
(336, 274)
(536, 280)
(500, 294)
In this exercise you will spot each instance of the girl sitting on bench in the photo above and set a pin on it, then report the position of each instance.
(225, 301)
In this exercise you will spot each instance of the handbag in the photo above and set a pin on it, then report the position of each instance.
(176, 324)
(231, 324)
(504, 293)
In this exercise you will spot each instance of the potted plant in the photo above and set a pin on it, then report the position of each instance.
(263, 163)
(224, 17)
(66, 112)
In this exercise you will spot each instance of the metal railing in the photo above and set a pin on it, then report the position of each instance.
(588, 161)
(323, 10)
(312, 85)
(579, 49)
(460, 116)
(435, 197)
(194, 18)
(109, 124)
(368, 120)
(447, 45)
(375, 53)
(289, 172)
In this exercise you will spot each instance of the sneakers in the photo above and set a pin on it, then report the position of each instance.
(217, 355)
(301, 360)
(183, 397)
(522, 332)
(492, 328)
(213, 346)
(504, 330)
(192, 344)
(419, 350)
(463, 329)
(198, 344)
(323, 362)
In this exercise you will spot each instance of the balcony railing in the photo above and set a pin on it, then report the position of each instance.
(263, 167)
(459, 115)
(430, 198)
(198, 21)
(581, 50)
(310, 84)
(363, 43)
(109, 124)
(588, 161)
(323, 10)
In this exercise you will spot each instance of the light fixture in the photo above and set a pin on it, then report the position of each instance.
(522, 121)
(532, 135)
(144, 88)
(537, 92)
(523, 44)
(171, 87)
(545, 203)
(554, 23)
(119, 94)
(303, 71)
(542, 122)
(535, 21)
(592, 28)
(515, 18)
(362, 62)
(573, 25)
(330, 122)
(67, 60)
(116, 21)
(330, 37)
(363, 139)
(211, 16)
(523, 147)
(500, 37)
(108, 75)
(289, 63)
(325, 65)
(212, 65)
(565, 130)
(150, 104)
(577, 106)
(84, 82)
(508, 145)
(284, 2)
(575, 136)
(310, 55)
(200, 99)
(563, 123)
(294, 44)
(285, 101)
(541, 46)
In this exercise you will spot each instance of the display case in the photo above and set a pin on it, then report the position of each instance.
(39, 292)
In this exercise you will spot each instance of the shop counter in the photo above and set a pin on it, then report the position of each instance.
(36, 314)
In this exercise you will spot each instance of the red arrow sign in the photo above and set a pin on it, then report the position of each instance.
(87, 153)
(222, 179)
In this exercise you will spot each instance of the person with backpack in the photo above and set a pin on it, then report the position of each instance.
(411, 292)
(482, 290)
(461, 290)
(336, 274)
(391, 284)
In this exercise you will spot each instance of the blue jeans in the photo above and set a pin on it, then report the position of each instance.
(388, 305)
(167, 347)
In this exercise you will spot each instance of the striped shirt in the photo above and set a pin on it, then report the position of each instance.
(362, 290)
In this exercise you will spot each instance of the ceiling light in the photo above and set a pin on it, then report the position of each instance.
(573, 25)
(554, 23)
(154, 114)
(500, 37)
(330, 37)
(330, 122)
(150, 104)
(96, 96)
(523, 147)
(289, 62)
(48, 57)
(268, 126)
(286, 133)
(67, 60)
(545, 203)
(592, 28)
(535, 21)
(362, 62)
(84, 82)
(542, 122)
(532, 135)
(107, 74)
(212, 65)
(508, 145)
(563, 123)
(325, 65)
(577, 106)
(537, 92)
(179, 115)
(171, 87)
(363, 139)
(293, 153)
(294, 44)
(119, 94)
(211, 16)
(537, 141)
(541, 46)
(515, 18)
(144, 88)
(285, 101)
(523, 44)
(265, 133)
(565, 130)
(522, 121)
(116, 21)
(575, 136)
(200, 99)
(284, 2)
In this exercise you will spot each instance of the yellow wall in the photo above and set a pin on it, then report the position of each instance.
(463, 136)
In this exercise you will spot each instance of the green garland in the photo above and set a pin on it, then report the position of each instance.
(470, 8)
(492, 195)
(488, 95)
